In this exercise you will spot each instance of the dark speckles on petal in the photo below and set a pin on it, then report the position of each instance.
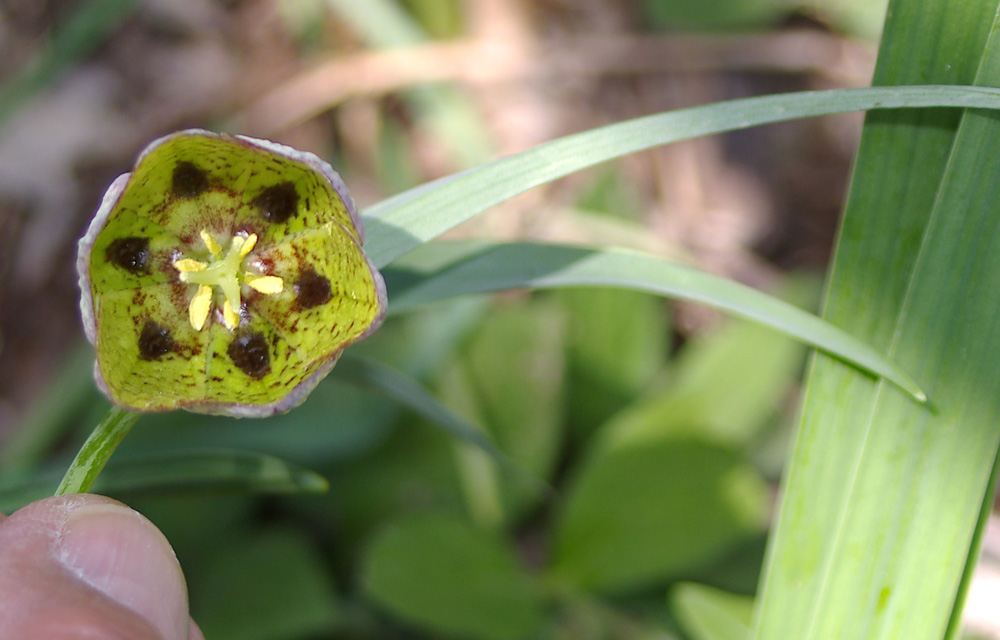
(251, 353)
(312, 289)
(131, 254)
(155, 341)
(278, 202)
(188, 180)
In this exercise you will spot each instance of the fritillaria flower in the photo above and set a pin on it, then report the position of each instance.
(224, 275)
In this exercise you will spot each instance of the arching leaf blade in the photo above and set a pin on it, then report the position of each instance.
(399, 224)
(461, 268)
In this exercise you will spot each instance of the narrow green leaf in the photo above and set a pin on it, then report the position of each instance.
(336, 422)
(409, 393)
(882, 500)
(464, 268)
(384, 24)
(59, 406)
(402, 223)
(214, 470)
(177, 472)
(711, 614)
(450, 578)
(82, 32)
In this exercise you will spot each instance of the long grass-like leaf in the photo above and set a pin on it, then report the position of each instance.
(82, 32)
(409, 393)
(204, 471)
(444, 270)
(404, 222)
(882, 502)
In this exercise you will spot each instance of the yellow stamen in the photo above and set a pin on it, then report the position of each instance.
(264, 284)
(229, 316)
(187, 265)
(248, 246)
(227, 273)
(200, 305)
(209, 240)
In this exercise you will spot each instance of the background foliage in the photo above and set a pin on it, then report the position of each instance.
(589, 462)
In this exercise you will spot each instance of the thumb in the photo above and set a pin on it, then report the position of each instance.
(86, 566)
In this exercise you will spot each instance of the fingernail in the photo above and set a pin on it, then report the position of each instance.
(121, 554)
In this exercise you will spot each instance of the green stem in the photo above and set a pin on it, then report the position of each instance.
(96, 451)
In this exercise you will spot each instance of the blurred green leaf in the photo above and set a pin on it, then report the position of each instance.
(270, 585)
(81, 33)
(442, 574)
(724, 386)
(54, 413)
(509, 379)
(337, 421)
(640, 515)
(611, 195)
(712, 15)
(446, 111)
(397, 167)
(858, 18)
(409, 393)
(443, 270)
(176, 472)
(617, 341)
(440, 18)
(412, 472)
(711, 614)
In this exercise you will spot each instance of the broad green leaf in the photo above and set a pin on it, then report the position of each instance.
(639, 515)
(616, 342)
(184, 472)
(711, 614)
(268, 586)
(447, 577)
(878, 524)
(509, 378)
(411, 472)
(724, 385)
(443, 270)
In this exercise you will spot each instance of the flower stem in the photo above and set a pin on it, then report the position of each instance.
(96, 451)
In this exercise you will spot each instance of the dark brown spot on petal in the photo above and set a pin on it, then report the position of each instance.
(251, 354)
(131, 254)
(312, 289)
(188, 180)
(154, 341)
(278, 202)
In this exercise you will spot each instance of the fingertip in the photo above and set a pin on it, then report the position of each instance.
(120, 553)
(194, 633)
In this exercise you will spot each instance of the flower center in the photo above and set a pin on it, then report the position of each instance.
(227, 273)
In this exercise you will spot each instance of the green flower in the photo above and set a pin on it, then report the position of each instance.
(224, 275)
